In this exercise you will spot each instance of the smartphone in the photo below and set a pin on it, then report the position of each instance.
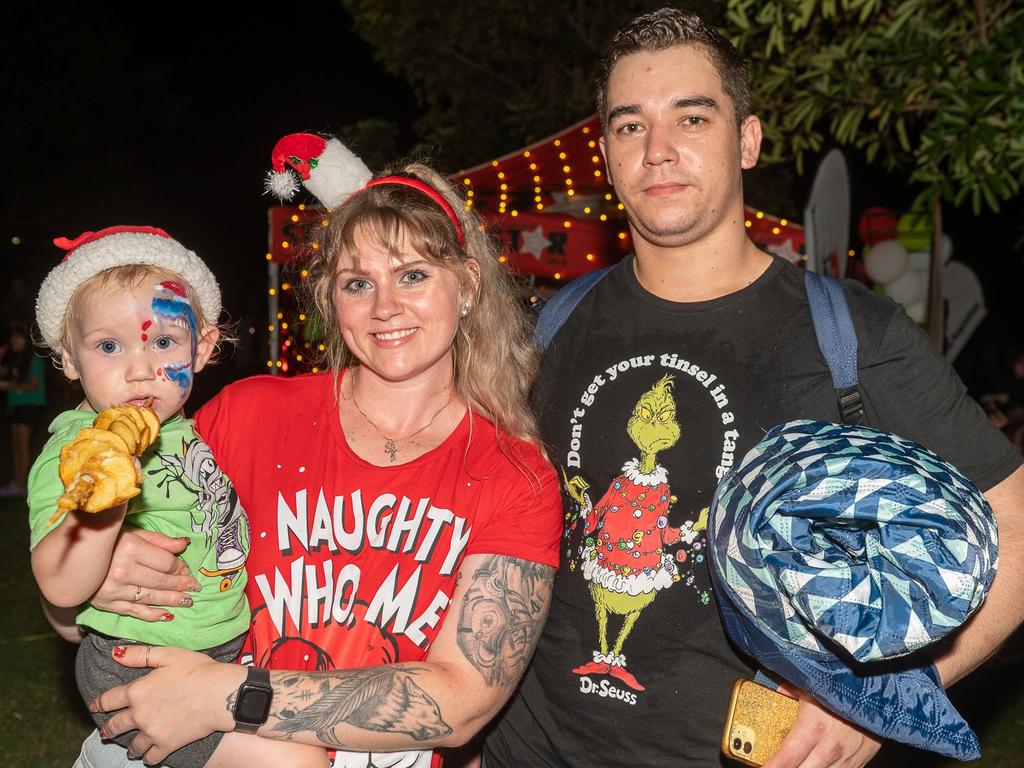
(759, 719)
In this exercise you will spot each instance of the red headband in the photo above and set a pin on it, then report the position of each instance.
(427, 190)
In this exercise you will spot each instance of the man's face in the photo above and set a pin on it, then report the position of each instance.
(672, 146)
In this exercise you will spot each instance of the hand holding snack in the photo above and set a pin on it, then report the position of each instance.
(99, 468)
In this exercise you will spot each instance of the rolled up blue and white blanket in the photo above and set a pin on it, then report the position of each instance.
(837, 552)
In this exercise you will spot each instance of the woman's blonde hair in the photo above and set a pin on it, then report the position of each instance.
(495, 362)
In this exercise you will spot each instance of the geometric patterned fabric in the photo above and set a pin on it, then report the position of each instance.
(838, 551)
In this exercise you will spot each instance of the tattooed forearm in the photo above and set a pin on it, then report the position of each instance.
(502, 615)
(384, 699)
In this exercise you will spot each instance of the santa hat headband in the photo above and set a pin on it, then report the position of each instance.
(329, 170)
(93, 252)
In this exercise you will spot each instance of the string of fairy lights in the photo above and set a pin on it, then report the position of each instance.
(295, 339)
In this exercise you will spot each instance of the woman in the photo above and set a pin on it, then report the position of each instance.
(22, 376)
(405, 483)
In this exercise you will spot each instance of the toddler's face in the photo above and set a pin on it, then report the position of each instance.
(127, 345)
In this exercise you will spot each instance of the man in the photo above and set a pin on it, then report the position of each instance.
(664, 376)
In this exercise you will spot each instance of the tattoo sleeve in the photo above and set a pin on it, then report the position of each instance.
(384, 699)
(501, 617)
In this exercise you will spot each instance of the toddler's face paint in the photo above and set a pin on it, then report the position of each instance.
(180, 373)
(171, 306)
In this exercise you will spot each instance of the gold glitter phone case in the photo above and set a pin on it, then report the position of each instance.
(759, 719)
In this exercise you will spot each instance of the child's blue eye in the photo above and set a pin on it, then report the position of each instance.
(164, 343)
(108, 347)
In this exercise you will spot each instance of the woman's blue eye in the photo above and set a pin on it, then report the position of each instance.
(108, 347)
(356, 285)
(164, 342)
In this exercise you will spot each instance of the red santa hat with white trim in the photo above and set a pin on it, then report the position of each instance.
(325, 166)
(93, 252)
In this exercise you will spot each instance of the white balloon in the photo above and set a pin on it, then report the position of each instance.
(917, 312)
(887, 261)
(909, 289)
(920, 261)
(947, 248)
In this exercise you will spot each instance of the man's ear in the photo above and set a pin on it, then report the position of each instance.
(205, 347)
(67, 364)
(607, 165)
(750, 141)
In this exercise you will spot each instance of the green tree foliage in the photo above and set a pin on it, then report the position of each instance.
(491, 77)
(931, 87)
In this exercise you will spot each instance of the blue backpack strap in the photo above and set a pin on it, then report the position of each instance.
(837, 340)
(561, 305)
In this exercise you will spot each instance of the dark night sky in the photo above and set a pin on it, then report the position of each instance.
(116, 115)
(166, 114)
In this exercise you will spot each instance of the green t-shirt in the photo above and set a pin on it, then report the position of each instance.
(184, 493)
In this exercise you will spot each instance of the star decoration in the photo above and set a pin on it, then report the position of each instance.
(572, 205)
(786, 251)
(534, 242)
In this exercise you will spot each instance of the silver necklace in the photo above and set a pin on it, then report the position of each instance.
(391, 444)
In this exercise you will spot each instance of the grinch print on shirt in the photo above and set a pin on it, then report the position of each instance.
(624, 544)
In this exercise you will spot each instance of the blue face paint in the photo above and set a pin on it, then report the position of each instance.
(180, 373)
(172, 306)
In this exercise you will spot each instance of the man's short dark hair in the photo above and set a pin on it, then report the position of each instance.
(667, 28)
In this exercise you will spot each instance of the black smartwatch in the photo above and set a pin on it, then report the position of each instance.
(252, 702)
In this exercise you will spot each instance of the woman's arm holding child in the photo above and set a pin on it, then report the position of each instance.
(472, 668)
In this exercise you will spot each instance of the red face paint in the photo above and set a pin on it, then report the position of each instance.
(175, 288)
(145, 325)
(145, 337)
(160, 372)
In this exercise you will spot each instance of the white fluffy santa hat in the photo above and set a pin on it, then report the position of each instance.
(93, 252)
(327, 168)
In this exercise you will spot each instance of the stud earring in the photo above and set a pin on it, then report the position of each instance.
(465, 308)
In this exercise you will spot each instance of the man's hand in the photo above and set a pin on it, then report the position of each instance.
(146, 562)
(819, 739)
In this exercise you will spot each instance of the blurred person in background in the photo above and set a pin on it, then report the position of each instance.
(22, 377)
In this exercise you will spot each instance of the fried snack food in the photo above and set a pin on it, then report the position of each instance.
(98, 467)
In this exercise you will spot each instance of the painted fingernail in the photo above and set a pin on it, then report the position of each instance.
(165, 616)
(94, 708)
(120, 651)
(194, 586)
(185, 602)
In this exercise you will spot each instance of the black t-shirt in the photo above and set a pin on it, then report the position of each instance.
(641, 456)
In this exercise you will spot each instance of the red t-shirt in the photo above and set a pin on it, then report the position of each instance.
(352, 564)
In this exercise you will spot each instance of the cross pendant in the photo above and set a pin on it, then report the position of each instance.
(391, 449)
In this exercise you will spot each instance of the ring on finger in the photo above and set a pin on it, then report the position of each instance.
(148, 649)
(138, 595)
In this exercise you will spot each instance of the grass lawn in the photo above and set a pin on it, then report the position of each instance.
(43, 719)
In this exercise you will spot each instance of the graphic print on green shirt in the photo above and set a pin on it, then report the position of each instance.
(184, 494)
